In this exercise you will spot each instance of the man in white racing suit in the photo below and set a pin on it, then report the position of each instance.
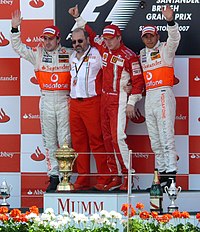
(51, 66)
(157, 60)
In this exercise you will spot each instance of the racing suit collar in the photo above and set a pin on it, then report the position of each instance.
(116, 50)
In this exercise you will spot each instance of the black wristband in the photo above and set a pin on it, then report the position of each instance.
(171, 23)
(14, 30)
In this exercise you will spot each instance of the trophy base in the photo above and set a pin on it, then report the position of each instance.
(66, 186)
(171, 209)
(4, 204)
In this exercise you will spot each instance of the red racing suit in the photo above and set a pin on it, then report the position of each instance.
(85, 122)
(119, 67)
(52, 71)
(160, 103)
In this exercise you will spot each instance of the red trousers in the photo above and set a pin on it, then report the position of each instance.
(114, 122)
(86, 134)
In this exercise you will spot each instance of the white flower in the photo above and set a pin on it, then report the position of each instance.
(95, 218)
(59, 217)
(73, 214)
(104, 213)
(80, 218)
(49, 211)
(104, 221)
(54, 224)
(65, 213)
(37, 219)
(116, 215)
(66, 220)
(47, 217)
(31, 216)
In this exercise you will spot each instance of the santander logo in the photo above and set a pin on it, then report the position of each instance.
(36, 3)
(139, 117)
(3, 40)
(3, 116)
(38, 155)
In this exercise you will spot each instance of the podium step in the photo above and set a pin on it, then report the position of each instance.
(90, 202)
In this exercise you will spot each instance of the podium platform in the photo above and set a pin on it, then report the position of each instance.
(90, 202)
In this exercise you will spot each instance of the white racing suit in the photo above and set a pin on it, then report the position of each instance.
(160, 104)
(52, 71)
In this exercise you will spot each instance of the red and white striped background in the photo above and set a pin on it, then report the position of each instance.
(22, 155)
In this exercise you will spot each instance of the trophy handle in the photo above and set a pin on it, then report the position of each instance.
(166, 189)
(179, 189)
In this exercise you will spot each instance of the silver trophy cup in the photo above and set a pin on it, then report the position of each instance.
(172, 193)
(5, 193)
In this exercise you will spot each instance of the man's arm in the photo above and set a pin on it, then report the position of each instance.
(173, 34)
(137, 81)
(95, 40)
(20, 48)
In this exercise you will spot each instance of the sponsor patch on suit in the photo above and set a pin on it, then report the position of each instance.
(117, 60)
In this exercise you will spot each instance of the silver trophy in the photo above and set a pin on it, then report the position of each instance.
(5, 193)
(172, 193)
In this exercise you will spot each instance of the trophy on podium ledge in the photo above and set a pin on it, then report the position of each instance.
(5, 193)
(66, 157)
(172, 193)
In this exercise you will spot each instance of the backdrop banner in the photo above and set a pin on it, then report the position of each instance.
(131, 16)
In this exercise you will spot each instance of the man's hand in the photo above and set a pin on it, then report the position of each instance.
(168, 13)
(73, 11)
(16, 19)
(130, 111)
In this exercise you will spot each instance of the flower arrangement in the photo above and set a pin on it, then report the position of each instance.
(31, 221)
(140, 220)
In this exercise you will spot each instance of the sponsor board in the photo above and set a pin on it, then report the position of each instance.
(30, 116)
(33, 187)
(10, 153)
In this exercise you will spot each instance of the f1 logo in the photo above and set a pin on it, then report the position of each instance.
(120, 19)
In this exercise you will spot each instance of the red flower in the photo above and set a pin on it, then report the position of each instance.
(34, 209)
(154, 214)
(3, 217)
(15, 212)
(185, 214)
(176, 214)
(169, 216)
(20, 218)
(144, 215)
(3, 209)
(140, 206)
(163, 219)
(198, 216)
(128, 209)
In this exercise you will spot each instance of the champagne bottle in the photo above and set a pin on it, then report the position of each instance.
(156, 194)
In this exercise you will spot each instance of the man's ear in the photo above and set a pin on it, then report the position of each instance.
(120, 38)
(58, 40)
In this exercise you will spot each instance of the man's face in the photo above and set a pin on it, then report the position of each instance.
(150, 40)
(113, 43)
(79, 42)
(51, 43)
